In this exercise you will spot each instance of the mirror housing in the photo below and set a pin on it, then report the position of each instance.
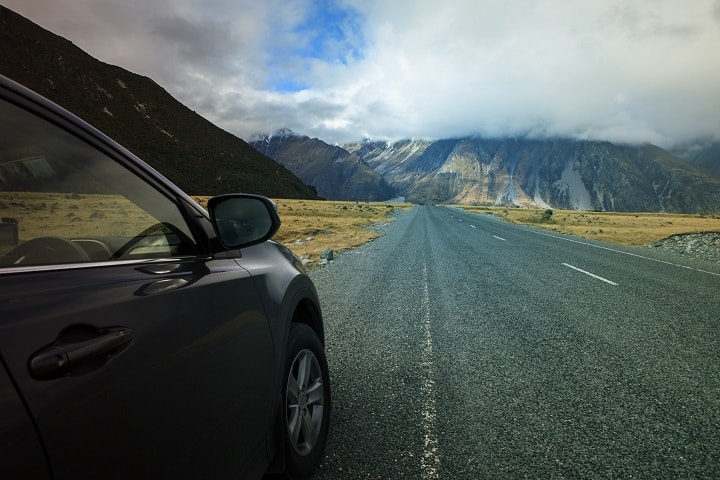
(241, 220)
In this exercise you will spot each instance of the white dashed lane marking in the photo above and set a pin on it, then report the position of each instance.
(590, 274)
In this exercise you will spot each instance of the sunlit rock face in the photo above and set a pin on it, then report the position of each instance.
(546, 173)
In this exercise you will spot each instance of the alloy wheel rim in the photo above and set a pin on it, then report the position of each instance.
(305, 402)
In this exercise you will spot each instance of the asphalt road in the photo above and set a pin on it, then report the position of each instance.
(462, 347)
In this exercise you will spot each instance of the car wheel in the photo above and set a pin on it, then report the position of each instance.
(307, 401)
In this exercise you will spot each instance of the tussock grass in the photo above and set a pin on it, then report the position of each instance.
(72, 216)
(633, 229)
(309, 227)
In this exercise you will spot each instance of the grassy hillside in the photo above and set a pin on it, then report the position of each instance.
(135, 111)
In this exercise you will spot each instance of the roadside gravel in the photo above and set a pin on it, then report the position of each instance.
(701, 246)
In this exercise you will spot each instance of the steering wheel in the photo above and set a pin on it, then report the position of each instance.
(44, 251)
(150, 234)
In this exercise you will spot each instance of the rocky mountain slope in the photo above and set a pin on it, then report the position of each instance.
(554, 173)
(703, 154)
(197, 155)
(335, 173)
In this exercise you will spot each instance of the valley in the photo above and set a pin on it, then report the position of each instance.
(310, 227)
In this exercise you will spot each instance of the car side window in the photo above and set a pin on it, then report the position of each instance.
(64, 201)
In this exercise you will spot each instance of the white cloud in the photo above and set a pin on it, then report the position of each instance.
(625, 71)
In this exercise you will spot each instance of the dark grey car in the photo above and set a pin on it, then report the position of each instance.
(140, 335)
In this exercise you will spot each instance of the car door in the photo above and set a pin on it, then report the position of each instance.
(22, 457)
(138, 353)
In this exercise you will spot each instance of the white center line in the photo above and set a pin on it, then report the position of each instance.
(590, 274)
(430, 461)
(499, 238)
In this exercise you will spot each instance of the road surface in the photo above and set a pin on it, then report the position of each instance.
(464, 347)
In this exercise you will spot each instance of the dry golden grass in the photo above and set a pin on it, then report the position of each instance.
(308, 227)
(311, 226)
(72, 216)
(634, 229)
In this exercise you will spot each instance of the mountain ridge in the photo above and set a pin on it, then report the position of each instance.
(138, 113)
(702, 153)
(550, 173)
(334, 172)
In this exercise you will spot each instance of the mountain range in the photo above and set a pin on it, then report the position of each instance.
(702, 153)
(140, 115)
(547, 173)
(511, 172)
(333, 171)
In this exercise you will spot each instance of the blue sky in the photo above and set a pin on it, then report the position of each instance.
(341, 70)
(329, 32)
(332, 32)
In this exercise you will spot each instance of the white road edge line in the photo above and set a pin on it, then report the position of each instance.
(430, 461)
(620, 251)
(499, 238)
(590, 274)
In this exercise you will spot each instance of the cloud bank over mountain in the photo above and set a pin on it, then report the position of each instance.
(643, 71)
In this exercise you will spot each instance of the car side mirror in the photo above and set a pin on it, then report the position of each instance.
(241, 220)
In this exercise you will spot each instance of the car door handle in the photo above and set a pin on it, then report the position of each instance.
(60, 358)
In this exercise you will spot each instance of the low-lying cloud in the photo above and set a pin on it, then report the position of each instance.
(643, 71)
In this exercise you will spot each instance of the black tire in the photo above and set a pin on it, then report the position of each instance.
(306, 402)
